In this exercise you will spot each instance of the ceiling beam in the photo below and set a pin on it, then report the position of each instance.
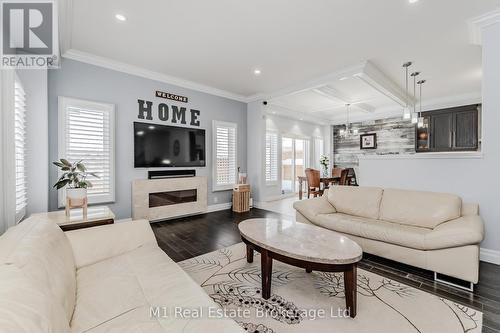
(376, 79)
(335, 95)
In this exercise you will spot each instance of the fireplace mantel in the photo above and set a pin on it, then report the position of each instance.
(161, 199)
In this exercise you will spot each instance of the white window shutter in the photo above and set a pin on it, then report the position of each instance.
(20, 149)
(271, 157)
(86, 133)
(225, 151)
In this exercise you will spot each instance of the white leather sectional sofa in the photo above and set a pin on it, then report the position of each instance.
(101, 279)
(433, 231)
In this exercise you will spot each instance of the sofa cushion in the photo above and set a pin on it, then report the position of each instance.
(26, 306)
(422, 209)
(115, 295)
(42, 252)
(312, 207)
(394, 233)
(357, 201)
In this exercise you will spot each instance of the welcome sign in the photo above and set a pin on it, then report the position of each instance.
(173, 97)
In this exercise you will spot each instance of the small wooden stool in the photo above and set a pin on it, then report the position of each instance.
(76, 203)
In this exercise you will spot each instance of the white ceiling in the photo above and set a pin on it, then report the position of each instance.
(219, 43)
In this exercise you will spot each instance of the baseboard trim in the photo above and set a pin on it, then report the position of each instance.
(279, 197)
(218, 207)
(491, 256)
(257, 204)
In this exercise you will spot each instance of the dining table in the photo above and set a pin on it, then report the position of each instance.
(326, 181)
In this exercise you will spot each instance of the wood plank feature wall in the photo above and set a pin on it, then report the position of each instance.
(394, 136)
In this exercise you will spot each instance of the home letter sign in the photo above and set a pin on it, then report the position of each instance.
(176, 114)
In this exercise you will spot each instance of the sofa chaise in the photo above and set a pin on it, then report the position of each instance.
(111, 278)
(433, 231)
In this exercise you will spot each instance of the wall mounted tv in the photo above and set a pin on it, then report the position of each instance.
(168, 146)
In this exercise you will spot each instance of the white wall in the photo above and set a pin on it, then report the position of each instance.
(294, 128)
(256, 129)
(37, 139)
(475, 179)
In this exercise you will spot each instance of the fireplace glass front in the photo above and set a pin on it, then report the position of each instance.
(172, 198)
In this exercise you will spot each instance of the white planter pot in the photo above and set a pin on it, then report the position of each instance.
(76, 193)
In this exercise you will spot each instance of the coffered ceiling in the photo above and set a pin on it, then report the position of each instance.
(219, 44)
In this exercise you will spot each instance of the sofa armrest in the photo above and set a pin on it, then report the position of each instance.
(466, 230)
(95, 244)
(310, 208)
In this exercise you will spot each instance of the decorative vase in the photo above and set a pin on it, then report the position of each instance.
(422, 135)
(76, 193)
(325, 171)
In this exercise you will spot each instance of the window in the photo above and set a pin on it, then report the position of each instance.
(271, 157)
(20, 149)
(86, 132)
(225, 164)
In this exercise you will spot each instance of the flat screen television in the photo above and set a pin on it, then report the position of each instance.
(168, 146)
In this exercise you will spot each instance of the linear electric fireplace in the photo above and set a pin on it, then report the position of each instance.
(172, 197)
(162, 199)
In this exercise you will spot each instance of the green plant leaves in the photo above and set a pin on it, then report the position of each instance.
(61, 183)
(65, 162)
(75, 175)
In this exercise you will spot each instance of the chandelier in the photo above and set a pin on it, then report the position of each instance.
(348, 130)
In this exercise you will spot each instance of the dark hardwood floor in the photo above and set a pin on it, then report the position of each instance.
(192, 236)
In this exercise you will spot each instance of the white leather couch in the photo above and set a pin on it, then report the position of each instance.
(101, 279)
(433, 231)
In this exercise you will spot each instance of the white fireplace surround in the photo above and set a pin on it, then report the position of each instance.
(141, 189)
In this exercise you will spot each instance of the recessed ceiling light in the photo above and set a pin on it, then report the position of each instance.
(120, 17)
(257, 71)
(412, 1)
(151, 127)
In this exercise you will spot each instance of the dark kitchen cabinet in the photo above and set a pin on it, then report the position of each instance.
(454, 129)
(441, 132)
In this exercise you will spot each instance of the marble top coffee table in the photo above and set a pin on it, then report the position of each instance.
(302, 245)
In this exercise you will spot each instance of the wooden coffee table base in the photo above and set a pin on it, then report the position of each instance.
(266, 258)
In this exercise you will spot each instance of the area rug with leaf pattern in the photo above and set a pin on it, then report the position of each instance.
(302, 302)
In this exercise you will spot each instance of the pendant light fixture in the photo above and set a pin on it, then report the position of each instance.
(406, 110)
(347, 130)
(414, 114)
(420, 122)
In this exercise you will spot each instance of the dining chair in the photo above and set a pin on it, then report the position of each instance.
(344, 180)
(351, 177)
(336, 173)
(313, 183)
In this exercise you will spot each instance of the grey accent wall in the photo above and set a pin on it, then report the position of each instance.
(394, 136)
(84, 81)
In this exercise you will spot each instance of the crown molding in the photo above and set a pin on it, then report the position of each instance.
(275, 110)
(65, 10)
(148, 74)
(478, 23)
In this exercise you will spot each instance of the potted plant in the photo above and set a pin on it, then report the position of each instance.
(324, 161)
(74, 175)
